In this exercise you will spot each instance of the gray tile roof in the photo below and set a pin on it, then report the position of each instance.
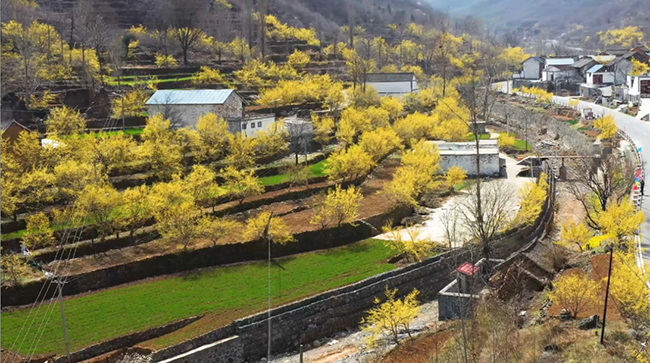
(583, 62)
(190, 97)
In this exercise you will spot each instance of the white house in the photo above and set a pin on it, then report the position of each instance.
(463, 154)
(639, 94)
(393, 84)
(599, 75)
(532, 68)
(184, 107)
(250, 125)
(559, 69)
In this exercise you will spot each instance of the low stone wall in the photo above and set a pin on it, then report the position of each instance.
(126, 341)
(518, 118)
(229, 350)
(191, 344)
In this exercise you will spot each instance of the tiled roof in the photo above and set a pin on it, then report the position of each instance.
(468, 269)
(583, 62)
(190, 97)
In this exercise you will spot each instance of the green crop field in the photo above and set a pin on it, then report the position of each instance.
(315, 169)
(143, 81)
(231, 292)
(523, 145)
(471, 137)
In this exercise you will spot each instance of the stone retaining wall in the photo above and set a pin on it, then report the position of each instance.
(126, 340)
(323, 315)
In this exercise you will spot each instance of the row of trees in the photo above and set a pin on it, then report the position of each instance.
(35, 175)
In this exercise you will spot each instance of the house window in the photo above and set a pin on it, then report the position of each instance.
(243, 126)
(259, 123)
(253, 125)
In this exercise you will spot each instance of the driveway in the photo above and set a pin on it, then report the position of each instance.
(433, 227)
(639, 132)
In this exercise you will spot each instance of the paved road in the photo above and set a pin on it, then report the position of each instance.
(639, 131)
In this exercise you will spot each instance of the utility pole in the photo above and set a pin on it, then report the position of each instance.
(609, 277)
(65, 327)
(268, 242)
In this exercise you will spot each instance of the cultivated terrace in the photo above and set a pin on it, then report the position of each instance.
(169, 167)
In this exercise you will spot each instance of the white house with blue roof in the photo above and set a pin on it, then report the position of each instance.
(184, 107)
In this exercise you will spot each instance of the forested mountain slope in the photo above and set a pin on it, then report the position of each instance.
(556, 16)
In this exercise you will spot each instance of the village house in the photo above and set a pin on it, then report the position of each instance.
(11, 130)
(185, 107)
(559, 69)
(532, 68)
(583, 64)
(638, 88)
(393, 84)
(463, 154)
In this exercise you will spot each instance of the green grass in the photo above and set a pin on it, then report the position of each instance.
(315, 169)
(135, 78)
(522, 145)
(573, 122)
(130, 132)
(465, 184)
(147, 81)
(471, 137)
(12, 235)
(227, 291)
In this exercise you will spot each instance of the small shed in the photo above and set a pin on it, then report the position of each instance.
(11, 131)
(393, 84)
(184, 107)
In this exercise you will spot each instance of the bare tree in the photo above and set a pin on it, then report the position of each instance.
(607, 178)
(479, 98)
(497, 207)
(450, 218)
(186, 18)
(300, 134)
(512, 38)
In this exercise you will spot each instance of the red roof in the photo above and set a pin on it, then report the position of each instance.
(468, 269)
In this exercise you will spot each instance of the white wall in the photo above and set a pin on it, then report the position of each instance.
(393, 88)
(250, 131)
(187, 115)
(489, 163)
(530, 69)
(608, 77)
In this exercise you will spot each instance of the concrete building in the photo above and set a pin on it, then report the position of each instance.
(184, 107)
(638, 88)
(250, 125)
(532, 68)
(599, 75)
(393, 84)
(463, 154)
(559, 69)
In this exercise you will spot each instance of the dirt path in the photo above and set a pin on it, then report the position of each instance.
(433, 228)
